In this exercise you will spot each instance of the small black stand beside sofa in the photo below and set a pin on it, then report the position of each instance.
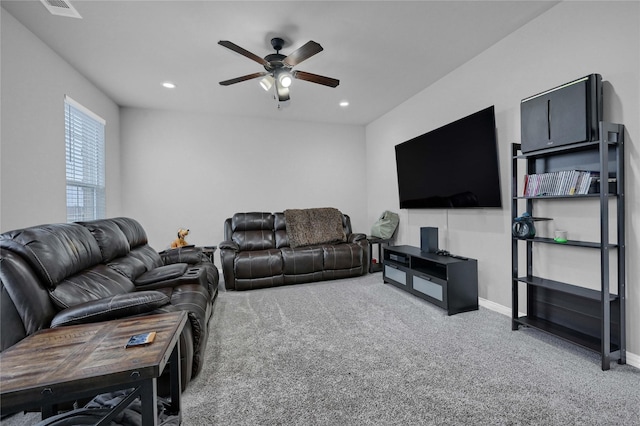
(72, 273)
(259, 250)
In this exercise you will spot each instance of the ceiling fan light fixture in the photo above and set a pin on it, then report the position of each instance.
(266, 82)
(279, 73)
(285, 79)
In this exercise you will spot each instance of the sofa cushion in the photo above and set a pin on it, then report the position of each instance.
(251, 221)
(254, 240)
(342, 256)
(24, 303)
(147, 255)
(253, 231)
(54, 251)
(110, 238)
(129, 266)
(94, 283)
(280, 227)
(132, 229)
(110, 308)
(302, 260)
(259, 263)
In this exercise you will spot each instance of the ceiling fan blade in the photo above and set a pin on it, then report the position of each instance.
(244, 52)
(243, 78)
(315, 78)
(303, 53)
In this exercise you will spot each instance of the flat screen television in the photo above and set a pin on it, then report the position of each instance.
(454, 166)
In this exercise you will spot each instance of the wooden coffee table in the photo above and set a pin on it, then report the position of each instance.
(67, 363)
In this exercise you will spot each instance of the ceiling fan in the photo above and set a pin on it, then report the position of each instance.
(278, 67)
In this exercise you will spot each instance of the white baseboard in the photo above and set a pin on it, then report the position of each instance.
(493, 306)
(632, 359)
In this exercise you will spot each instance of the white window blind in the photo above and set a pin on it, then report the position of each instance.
(84, 140)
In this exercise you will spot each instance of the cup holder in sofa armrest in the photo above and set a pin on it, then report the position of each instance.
(161, 273)
(110, 308)
(189, 275)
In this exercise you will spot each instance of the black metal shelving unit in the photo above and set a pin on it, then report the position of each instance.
(594, 319)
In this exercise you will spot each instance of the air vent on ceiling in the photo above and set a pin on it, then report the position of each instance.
(61, 8)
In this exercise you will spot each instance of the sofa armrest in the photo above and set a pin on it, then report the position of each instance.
(110, 308)
(186, 254)
(361, 240)
(157, 279)
(228, 252)
(161, 274)
(354, 238)
(229, 245)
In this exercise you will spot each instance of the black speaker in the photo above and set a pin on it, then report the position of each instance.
(564, 115)
(429, 239)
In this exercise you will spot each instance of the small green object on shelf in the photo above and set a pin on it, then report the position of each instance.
(560, 237)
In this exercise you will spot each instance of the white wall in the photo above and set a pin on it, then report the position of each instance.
(195, 170)
(34, 82)
(571, 40)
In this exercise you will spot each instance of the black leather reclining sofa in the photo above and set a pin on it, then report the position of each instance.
(257, 253)
(62, 274)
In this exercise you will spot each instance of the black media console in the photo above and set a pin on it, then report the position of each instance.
(450, 282)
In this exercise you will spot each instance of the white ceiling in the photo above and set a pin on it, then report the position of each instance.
(383, 52)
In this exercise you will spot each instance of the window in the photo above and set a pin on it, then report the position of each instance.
(84, 140)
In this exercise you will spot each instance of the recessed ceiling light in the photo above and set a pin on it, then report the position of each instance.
(344, 104)
(169, 85)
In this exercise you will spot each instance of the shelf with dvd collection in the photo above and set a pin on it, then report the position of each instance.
(562, 183)
(594, 319)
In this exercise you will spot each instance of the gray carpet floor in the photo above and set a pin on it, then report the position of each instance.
(361, 352)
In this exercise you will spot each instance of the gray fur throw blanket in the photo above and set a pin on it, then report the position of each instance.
(307, 227)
